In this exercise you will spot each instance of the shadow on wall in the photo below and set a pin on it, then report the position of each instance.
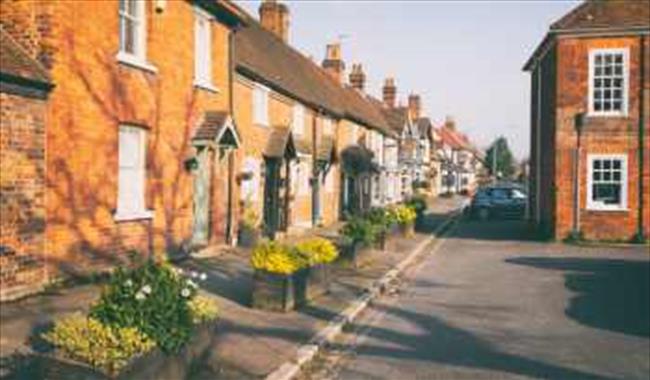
(84, 187)
(611, 294)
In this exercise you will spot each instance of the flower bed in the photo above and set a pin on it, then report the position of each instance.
(143, 311)
(286, 276)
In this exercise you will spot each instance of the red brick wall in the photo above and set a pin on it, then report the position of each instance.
(22, 208)
(601, 135)
(94, 94)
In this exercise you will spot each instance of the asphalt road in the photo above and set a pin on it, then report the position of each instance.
(487, 303)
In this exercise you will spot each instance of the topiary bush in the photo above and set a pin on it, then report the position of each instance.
(90, 341)
(152, 298)
(317, 251)
(278, 258)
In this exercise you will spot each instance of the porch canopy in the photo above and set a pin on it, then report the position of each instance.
(217, 128)
(280, 144)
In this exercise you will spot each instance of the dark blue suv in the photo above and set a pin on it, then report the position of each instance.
(499, 201)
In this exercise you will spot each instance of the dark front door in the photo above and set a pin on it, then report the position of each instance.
(272, 197)
(201, 207)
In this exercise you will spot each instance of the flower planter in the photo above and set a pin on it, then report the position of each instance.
(317, 281)
(273, 291)
(153, 365)
(380, 243)
(407, 230)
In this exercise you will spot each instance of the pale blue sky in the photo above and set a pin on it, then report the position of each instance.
(463, 57)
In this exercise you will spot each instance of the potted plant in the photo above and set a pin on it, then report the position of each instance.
(249, 231)
(148, 323)
(357, 233)
(318, 253)
(276, 275)
(382, 220)
(405, 217)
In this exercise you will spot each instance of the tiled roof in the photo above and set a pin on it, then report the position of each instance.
(15, 62)
(424, 126)
(396, 117)
(266, 58)
(366, 110)
(280, 143)
(212, 124)
(605, 14)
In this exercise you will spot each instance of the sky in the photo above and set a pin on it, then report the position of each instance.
(464, 58)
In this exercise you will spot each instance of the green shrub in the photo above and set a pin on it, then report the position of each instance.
(317, 251)
(381, 218)
(152, 298)
(418, 203)
(203, 309)
(274, 257)
(92, 342)
(360, 230)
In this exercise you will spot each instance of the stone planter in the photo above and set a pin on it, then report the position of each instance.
(276, 292)
(248, 237)
(407, 230)
(153, 365)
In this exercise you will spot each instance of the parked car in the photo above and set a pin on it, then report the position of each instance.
(498, 201)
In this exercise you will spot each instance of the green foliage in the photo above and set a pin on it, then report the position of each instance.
(360, 230)
(250, 217)
(317, 251)
(203, 309)
(381, 218)
(404, 215)
(103, 347)
(499, 153)
(279, 258)
(151, 298)
(417, 203)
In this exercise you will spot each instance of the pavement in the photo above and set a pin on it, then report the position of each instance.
(250, 343)
(490, 302)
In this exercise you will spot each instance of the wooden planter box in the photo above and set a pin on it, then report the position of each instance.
(317, 283)
(407, 230)
(153, 365)
(380, 244)
(273, 291)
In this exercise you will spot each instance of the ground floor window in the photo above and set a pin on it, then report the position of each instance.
(131, 172)
(607, 182)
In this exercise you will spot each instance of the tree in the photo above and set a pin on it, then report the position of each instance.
(503, 162)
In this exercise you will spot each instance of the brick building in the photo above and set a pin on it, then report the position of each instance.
(138, 147)
(24, 90)
(590, 87)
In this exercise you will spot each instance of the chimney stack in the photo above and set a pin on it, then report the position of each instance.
(414, 106)
(357, 77)
(389, 92)
(274, 17)
(450, 123)
(333, 64)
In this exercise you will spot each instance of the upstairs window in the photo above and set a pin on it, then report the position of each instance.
(261, 105)
(607, 182)
(202, 49)
(131, 173)
(298, 119)
(327, 126)
(608, 73)
(133, 29)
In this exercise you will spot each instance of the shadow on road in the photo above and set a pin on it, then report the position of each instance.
(442, 343)
(494, 230)
(611, 294)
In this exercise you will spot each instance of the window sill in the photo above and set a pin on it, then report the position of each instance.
(614, 115)
(206, 86)
(594, 208)
(121, 216)
(136, 62)
(261, 125)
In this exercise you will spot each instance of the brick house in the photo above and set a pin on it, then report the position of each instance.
(589, 163)
(24, 90)
(138, 130)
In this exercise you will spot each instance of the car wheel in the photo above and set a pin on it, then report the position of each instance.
(483, 213)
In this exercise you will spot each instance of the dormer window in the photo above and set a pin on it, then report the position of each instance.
(608, 77)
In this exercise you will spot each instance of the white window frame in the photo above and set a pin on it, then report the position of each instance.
(327, 126)
(625, 90)
(298, 119)
(599, 206)
(261, 105)
(137, 58)
(203, 50)
(132, 206)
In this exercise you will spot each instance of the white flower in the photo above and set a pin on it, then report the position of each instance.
(140, 296)
(179, 270)
(194, 274)
(128, 283)
(192, 284)
(203, 277)
(185, 292)
(146, 289)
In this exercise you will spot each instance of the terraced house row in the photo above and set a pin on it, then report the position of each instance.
(160, 127)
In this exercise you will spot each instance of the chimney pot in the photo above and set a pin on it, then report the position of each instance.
(274, 17)
(357, 77)
(414, 105)
(389, 92)
(333, 64)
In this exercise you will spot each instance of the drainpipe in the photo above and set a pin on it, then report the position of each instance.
(640, 227)
(230, 153)
(315, 194)
(538, 166)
